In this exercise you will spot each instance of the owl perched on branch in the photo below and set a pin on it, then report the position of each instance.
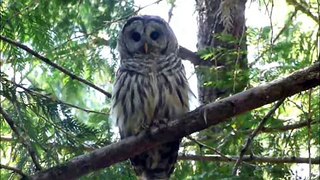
(150, 87)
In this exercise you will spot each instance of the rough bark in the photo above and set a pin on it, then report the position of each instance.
(221, 18)
(199, 119)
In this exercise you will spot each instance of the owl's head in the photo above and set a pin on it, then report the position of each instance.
(146, 35)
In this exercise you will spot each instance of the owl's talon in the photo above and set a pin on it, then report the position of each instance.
(145, 126)
(160, 122)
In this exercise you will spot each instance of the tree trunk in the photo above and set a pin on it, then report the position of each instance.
(221, 31)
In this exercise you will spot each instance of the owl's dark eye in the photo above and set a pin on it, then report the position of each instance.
(154, 35)
(136, 36)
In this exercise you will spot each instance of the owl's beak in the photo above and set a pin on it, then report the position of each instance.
(145, 47)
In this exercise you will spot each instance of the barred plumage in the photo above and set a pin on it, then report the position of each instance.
(150, 85)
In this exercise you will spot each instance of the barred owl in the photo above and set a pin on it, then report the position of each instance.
(150, 86)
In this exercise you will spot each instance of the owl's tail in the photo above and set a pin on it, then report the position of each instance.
(157, 163)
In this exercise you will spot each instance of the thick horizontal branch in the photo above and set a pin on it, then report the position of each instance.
(193, 121)
(248, 158)
(54, 65)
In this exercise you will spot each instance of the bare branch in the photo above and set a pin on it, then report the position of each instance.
(309, 116)
(263, 130)
(21, 138)
(210, 148)
(108, 23)
(253, 159)
(289, 127)
(303, 9)
(193, 57)
(193, 121)
(254, 134)
(54, 65)
(6, 139)
(170, 12)
(15, 170)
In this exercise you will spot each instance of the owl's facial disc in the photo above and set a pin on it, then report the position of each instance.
(156, 37)
(146, 36)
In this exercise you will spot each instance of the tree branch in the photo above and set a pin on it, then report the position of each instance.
(32, 92)
(6, 139)
(108, 23)
(54, 65)
(193, 121)
(22, 139)
(303, 9)
(254, 134)
(210, 148)
(263, 130)
(193, 57)
(289, 127)
(248, 158)
(16, 170)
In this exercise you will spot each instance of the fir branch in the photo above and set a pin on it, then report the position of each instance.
(54, 65)
(32, 92)
(214, 113)
(13, 169)
(183, 53)
(248, 158)
(254, 134)
(21, 138)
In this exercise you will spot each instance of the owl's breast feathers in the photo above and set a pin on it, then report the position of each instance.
(146, 90)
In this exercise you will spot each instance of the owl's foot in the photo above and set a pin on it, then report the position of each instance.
(145, 126)
(158, 123)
